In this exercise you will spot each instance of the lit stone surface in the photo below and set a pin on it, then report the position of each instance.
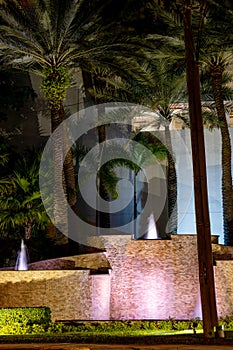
(89, 261)
(152, 278)
(100, 291)
(67, 293)
(141, 279)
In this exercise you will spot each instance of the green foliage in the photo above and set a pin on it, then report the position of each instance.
(25, 316)
(22, 321)
(155, 146)
(22, 210)
(55, 83)
(165, 325)
(59, 328)
(127, 326)
(96, 328)
(15, 328)
(227, 322)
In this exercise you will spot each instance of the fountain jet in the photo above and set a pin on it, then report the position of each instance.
(22, 258)
(152, 232)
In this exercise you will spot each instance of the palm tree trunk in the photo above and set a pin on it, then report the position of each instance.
(28, 230)
(68, 177)
(103, 219)
(69, 170)
(172, 186)
(60, 217)
(216, 71)
(206, 275)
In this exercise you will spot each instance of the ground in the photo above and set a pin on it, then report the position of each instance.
(112, 347)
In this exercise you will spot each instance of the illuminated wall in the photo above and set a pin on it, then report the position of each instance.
(152, 278)
(158, 279)
(147, 279)
(67, 293)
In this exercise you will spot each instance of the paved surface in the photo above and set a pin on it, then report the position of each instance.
(112, 347)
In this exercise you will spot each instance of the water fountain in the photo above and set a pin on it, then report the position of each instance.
(152, 232)
(22, 258)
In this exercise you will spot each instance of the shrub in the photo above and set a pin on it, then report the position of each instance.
(58, 328)
(25, 316)
(36, 329)
(181, 325)
(165, 325)
(227, 322)
(15, 328)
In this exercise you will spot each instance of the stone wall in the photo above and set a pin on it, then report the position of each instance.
(158, 279)
(224, 287)
(53, 264)
(100, 291)
(152, 278)
(67, 293)
(133, 279)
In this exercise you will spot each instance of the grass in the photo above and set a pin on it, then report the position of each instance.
(118, 337)
(112, 332)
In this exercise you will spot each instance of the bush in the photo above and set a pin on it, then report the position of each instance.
(227, 322)
(35, 325)
(14, 328)
(165, 325)
(25, 316)
(58, 328)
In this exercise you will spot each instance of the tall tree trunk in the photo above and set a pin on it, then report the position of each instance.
(103, 218)
(69, 170)
(172, 185)
(68, 178)
(28, 230)
(60, 215)
(216, 71)
(206, 275)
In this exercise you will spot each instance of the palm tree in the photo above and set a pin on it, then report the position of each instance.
(167, 87)
(195, 22)
(217, 88)
(215, 47)
(22, 211)
(217, 67)
(99, 83)
(214, 44)
(50, 38)
(219, 44)
(199, 168)
(193, 15)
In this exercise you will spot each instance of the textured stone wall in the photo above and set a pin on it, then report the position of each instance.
(141, 279)
(94, 261)
(67, 293)
(224, 287)
(186, 291)
(159, 279)
(152, 278)
(53, 264)
(100, 291)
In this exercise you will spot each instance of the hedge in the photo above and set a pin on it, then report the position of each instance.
(25, 315)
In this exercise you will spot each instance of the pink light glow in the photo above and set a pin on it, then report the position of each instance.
(155, 291)
(100, 297)
(197, 310)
